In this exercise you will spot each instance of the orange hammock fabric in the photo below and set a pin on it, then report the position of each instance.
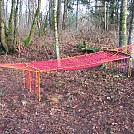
(71, 63)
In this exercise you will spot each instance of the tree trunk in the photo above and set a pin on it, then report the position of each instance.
(44, 23)
(105, 16)
(77, 5)
(117, 12)
(58, 13)
(3, 42)
(56, 31)
(26, 17)
(131, 35)
(27, 41)
(29, 13)
(10, 27)
(20, 14)
(51, 14)
(123, 26)
(64, 15)
(131, 29)
(112, 10)
(15, 26)
(6, 13)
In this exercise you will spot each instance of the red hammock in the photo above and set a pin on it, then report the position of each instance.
(71, 63)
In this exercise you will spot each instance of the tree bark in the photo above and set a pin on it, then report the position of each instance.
(51, 20)
(58, 13)
(43, 26)
(131, 29)
(20, 14)
(10, 27)
(77, 5)
(15, 26)
(123, 26)
(3, 42)
(131, 35)
(64, 15)
(105, 16)
(29, 13)
(56, 32)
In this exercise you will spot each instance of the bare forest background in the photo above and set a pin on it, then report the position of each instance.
(60, 23)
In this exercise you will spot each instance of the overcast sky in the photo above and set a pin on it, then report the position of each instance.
(44, 5)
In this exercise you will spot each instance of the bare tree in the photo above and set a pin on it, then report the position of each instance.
(27, 41)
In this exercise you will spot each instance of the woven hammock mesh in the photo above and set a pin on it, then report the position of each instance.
(72, 63)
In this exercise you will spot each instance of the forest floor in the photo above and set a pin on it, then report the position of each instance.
(87, 101)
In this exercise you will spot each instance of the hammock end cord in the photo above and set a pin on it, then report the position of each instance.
(130, 67)
(38, 84)
(37, 80)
